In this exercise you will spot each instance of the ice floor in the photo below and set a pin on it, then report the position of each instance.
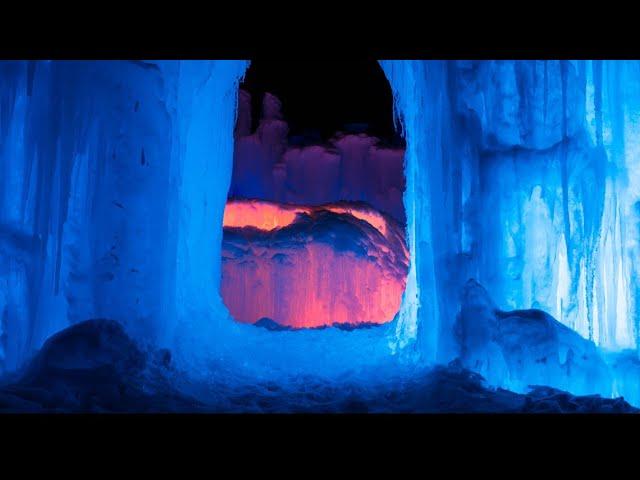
(95, 367)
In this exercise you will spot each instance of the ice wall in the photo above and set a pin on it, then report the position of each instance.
(559, 181)
(433, 196)
(113, 180)
(310, 267)
(207, 100)
(522, 175)
(350, 167)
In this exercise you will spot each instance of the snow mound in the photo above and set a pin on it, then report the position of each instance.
(95, 366)
(519, 348)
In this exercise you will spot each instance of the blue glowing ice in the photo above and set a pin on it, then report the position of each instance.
(522, 175)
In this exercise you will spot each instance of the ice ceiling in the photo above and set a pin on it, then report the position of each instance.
(521, 175)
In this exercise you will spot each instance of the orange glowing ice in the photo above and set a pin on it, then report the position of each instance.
(310, 283)
(270, 216)
(257, 214)
(372, 217)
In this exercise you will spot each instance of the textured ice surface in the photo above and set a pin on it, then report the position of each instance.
(515, 349)
(112, 191)
(351, 167)
(95, 367)
(301, 267)
(521, 174)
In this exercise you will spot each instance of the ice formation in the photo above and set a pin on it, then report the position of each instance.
(350, 167)
(523, 175)
(308, 267)
(111, 196)
(519, 348)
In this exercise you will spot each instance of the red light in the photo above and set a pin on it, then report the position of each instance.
(312, 284)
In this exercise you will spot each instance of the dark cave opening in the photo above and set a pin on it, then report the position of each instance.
(320, 98)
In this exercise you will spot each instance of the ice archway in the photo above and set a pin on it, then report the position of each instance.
(521, 174)
(115, 176)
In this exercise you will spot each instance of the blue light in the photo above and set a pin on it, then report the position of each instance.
(521, 175)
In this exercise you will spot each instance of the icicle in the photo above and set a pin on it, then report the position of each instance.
(597, 98)
(546, 91)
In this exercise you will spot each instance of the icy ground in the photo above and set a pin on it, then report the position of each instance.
(94, 366)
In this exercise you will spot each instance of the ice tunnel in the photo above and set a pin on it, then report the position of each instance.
(520, 199)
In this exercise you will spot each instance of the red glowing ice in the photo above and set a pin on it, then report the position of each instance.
(308, 267)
